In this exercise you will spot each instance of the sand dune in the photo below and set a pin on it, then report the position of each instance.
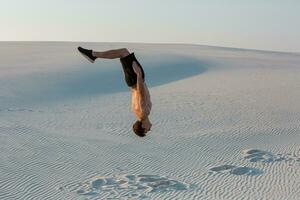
(226, 124)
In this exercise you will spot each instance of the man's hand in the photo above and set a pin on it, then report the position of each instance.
(136, 68)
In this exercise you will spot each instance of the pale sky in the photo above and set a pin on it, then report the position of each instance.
(255, 24)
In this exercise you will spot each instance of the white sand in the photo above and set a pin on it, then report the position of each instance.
(226, 124)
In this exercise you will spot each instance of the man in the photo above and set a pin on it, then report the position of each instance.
(135, 78)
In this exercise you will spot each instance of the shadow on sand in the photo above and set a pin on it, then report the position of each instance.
(159, 70)
(103, 77)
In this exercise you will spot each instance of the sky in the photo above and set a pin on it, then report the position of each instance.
(253, 24)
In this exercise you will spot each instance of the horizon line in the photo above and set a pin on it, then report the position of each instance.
(161, 43)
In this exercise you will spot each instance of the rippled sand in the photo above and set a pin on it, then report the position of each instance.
(226, 124)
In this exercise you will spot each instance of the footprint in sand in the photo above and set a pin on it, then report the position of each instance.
(256, 155)
(235, 170)
(129, 186)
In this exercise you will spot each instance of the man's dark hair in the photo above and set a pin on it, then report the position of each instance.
(138, 129)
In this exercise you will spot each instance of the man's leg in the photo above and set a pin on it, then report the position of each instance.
(111, 54)
(126, 59)
(123, 54)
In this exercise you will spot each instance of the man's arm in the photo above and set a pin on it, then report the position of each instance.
(139, 85)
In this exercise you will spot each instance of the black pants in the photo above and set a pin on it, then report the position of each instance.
(130, 75)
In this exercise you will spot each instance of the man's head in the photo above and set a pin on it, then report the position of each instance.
(140, 128)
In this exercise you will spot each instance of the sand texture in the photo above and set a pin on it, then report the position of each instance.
(226, 124)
